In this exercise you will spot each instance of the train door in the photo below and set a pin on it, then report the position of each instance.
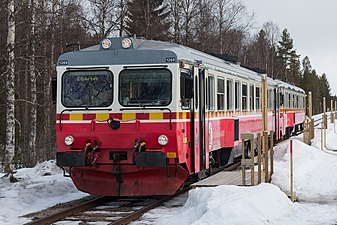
(199, 121)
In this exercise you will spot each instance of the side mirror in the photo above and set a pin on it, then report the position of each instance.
(53, 89)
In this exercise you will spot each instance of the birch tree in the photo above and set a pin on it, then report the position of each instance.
(273, 34)
(233, 22)
(102, 18)
(175, 20)
(32, 73)
(10, 95)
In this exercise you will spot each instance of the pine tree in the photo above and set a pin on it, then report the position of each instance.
(289, 65)
(148, 18)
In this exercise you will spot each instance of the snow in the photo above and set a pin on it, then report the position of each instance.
(315, 184)
(38, 188)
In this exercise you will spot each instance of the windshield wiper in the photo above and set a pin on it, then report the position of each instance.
(93, 98)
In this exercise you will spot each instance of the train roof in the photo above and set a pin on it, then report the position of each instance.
(149, 51)
(156, 52)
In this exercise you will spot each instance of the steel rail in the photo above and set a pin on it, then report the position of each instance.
(134, 216)
(67, 212)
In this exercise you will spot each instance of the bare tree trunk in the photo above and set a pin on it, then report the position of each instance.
(32, 73)
(10, 95)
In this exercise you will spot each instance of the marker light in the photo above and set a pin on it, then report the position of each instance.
(126, 43)
(106, 43)
(69, 140)
(162, 140)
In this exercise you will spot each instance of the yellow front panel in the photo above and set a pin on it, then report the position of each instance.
(76, 117)
(156, 116)
(102, 116)
(128, 116)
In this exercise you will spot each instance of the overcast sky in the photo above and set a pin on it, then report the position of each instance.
(312, 25)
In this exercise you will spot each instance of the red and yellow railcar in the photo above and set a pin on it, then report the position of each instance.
(138, 117)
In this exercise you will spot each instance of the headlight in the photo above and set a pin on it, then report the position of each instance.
(162, 140)
(69, 140)
(126, 43)
(106, 43)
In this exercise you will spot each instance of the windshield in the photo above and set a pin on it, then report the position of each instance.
(145, 87)
(87, 88)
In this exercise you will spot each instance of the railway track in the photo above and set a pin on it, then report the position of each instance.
(105, 210)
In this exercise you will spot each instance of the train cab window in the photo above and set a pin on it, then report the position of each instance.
(221, 94)
(251, 97)
(145, 87)
(244, 96)
(210, 93)
(87, 88)
(237, 95)
(257, 98)
(229, 95)
(289, 101)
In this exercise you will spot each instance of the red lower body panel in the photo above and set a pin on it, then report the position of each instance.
(133, 182)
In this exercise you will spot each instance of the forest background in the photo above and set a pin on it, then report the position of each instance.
(36, 32)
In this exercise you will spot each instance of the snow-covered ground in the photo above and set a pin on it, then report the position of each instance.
(315, 184)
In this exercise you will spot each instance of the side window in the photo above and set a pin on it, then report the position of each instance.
(210, 93)
(244, 96)
(229, 95)
(251, 97)
(221, 93)
(257, 98)
(237, 95)
(270, 99)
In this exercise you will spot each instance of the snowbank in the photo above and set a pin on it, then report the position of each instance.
(38, 188)
(230, 205)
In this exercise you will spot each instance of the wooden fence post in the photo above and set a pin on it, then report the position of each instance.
(244, 161)
(292, 197)
(258, 158)
(271, 153)
(265, 153)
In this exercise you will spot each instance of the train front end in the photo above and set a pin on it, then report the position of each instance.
(117, 133)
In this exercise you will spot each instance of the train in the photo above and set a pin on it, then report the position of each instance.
(137, 117)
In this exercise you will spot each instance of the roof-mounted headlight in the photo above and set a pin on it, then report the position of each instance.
(126, 43)
(106, 43)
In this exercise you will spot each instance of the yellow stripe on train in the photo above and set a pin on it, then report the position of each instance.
(156, 116)
(76, 116)
(102, 116)
(128, 116)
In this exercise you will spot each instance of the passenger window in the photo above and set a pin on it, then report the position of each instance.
(251, 97)
(230, 95)
(244, 96)
(237, 95)
(210, 93)
(221, 94)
